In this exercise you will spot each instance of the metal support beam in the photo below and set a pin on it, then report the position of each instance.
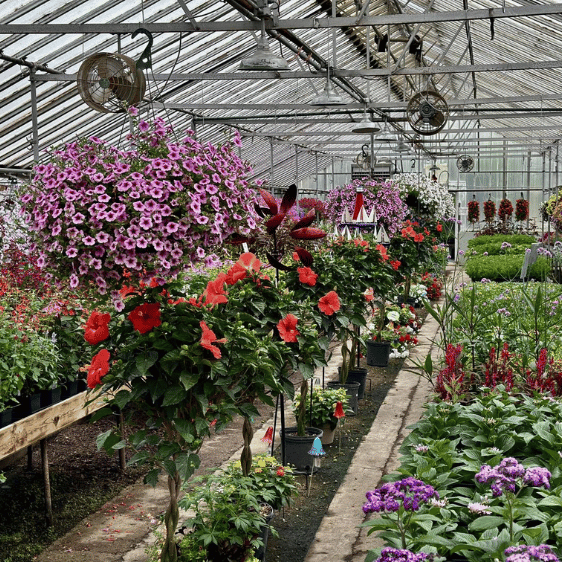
(299, 23)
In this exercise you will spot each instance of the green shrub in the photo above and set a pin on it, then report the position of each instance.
(504, 268)
(513, 239)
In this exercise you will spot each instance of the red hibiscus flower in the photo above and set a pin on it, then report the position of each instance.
(208, 338)
(96, 329)
(382, 251)
(329, 303)
(145, 317)
(247, 263)
(215, 293)
(439, 227)
(126, 290)
(288, 328)
(98, 368)
(307, 276)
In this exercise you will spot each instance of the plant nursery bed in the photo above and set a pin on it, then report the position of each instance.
(83, 480)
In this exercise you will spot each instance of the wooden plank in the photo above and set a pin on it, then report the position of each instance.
(44, 423)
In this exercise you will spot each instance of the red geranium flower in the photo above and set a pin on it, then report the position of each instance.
(215, 293)
(439, 227)
(145, 317)
(307, 276)
(288, 328)
(208, 338)
(382, 251)
(395, 264)
(329, 303)
(418, 237)
(98, 368)
(96, 329)
(280, 471)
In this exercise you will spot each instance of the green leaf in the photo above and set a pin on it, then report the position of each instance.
(174, 395)
(139, 458)
(187, 464)
(550, 501)
(152, 477)
(144, 361)
(189, 380)
(121, 399)
(486, 522)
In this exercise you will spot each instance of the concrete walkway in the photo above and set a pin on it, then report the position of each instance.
(127, 525)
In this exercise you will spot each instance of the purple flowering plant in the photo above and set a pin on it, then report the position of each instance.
(531, 553)
(508, 479)
(399, 503)
(383, 197)
(97, 212)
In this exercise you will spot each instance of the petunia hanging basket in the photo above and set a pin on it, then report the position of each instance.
(99, 213)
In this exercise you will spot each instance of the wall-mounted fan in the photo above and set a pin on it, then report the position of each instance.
(108, 82)
(465, 163)
(427, 112)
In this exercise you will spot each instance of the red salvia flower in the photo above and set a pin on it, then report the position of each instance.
(268, 437)
(96, 329)
(329, 303)
(98, 368)
(288, 328)
(307, 276)
(208, 338)
(145, 317)
(338, 412)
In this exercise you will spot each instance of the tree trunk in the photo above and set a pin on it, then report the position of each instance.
(169, 548)
(246, 456)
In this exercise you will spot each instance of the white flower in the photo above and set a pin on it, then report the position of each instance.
(393, 316)
(479, 508)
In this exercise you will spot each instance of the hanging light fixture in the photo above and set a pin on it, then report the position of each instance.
(328, 96)
(366, 126)
(402, 145)
(386, 135)
(263, 58)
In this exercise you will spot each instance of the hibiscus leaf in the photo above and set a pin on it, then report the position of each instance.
(305, 256)
(174, 395)
(307, 220)
(188, 380)
(187, 464)
(152, 477)
(308, 233)
(270, 201)
(144, 361)
(289, 198)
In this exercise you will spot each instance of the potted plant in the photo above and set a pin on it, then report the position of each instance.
(229, 517)
(277, 481)
(320, 409)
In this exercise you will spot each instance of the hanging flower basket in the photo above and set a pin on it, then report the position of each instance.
(473, 211)
(521, 210)
(489, 210)
(506, 210)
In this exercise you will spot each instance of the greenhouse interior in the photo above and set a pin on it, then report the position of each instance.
(295, 265)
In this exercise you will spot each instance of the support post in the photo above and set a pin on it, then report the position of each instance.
(46, 482)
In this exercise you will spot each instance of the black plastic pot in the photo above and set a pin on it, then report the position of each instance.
(378, 353)
(297, 447)
(50, 397)
(359, 374)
